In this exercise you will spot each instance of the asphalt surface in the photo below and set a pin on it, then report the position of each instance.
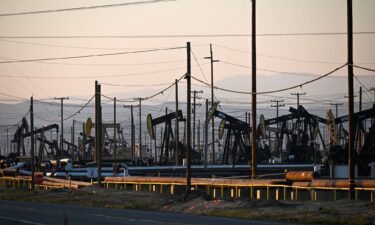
(28, 213)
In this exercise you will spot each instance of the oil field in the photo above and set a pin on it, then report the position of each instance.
(219, 108)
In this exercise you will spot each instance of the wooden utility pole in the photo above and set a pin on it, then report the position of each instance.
(373, 89)
(98, 130)
(351, 98)
(114, 130)
(277, 106)
(32, 142)
(298, 94)
(132, 129)
(337, 104)
(188, 121)
(140, 126)
(194, 109)
(60, 155)
(177, 128)
(212, 60)
(206, 136)
(253, 89)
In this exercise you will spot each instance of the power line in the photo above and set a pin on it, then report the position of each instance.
(85, 8)
(135, 85)
(101, 76)
(274, 71)
(200, 68)
(283, 58)
(364, 68)
(90, 56)
(181, 35)
(80, 108)
(274, 91)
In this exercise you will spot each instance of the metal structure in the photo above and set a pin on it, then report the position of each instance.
(168, 142)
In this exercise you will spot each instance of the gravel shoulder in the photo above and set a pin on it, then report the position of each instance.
(340, 212)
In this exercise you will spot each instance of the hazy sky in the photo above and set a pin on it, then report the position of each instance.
(276, 53)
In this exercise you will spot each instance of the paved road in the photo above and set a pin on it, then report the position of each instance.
(26, 213)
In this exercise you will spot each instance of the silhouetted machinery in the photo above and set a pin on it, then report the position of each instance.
(168, 145)
(237, 145)
(364, 142)
(298, 133)
(18, 137)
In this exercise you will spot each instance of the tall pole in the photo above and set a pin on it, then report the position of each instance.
(212, 60)
(337, 104)
(206, 136)
(298, 94)
(373, 89)
(351, 99)
(7, 150)
(114, 130)
(32, 142)
(177, 131)
(188, 121)
(140, 126)
(277, 106)
(132, 131)
(98, 130)
(62, 125)
(253, 89)
(194, 113)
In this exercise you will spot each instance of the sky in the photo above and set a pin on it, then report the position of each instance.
(165, 27)
(282, 60)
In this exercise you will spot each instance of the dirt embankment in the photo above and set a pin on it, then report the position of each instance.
(339, 212)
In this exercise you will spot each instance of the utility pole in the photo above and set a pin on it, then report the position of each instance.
(351, 99)
(32, 142)
(298, 94)
(132, 128)
(253, 88)
(194, 109)
(7, 150)
(277, 106)
(177, 131)
(114, 130)
(62, 125)
(212, 60)
(140, 126)
(337, 104)
(188, 121)
(373, 89)
(98, 130)
(206, 136)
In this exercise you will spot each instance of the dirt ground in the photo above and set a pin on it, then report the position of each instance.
(340, 212)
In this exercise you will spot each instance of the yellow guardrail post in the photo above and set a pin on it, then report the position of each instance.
(172, 189)
(222, 191)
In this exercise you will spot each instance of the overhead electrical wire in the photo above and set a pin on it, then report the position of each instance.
(364, 68)
(273, 91)
(84, 8)
(200, 68)
(90, 55)
(135, 85)
(74, 114)
(277, 57)
(100, 76)
(180, 35)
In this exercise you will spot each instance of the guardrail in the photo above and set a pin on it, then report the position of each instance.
(265, 191)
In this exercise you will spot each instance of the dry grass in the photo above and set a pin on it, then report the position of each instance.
(333, 213)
